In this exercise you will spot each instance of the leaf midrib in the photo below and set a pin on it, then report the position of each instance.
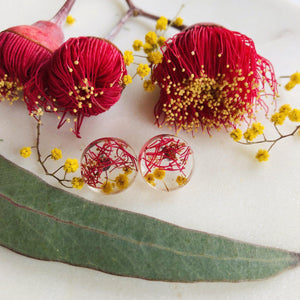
(140, 243)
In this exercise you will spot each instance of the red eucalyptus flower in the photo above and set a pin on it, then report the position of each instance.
(84, 77)
(24, 48)
(211, 77)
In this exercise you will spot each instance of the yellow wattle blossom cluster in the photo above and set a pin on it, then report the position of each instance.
(121, 182)
(155, 57)
(250, 134)
(162, 23)
(158, 174)
(148, 86)
(137, 45)
(181, 180)
(70, 20)
(178, 21)
(294, 80)
(77, 183)
(257, 129)
(128, 57)
(262, 155)
(25, 152)
(254, 131)
(56, 154)
(127, 79)
(285, 111)
(71, 165)
(143, 70)
(107, 187)
(153, 40)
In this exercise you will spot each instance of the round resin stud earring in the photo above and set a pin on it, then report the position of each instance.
(108, 165)
(166, 162)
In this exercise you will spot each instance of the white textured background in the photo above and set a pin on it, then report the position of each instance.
(230, 193)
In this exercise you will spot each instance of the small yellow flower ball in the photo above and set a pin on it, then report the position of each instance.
(159, 174)
(155, 57)
(25, 152)
(178, 22)
(257, 128)
(143, 70)
(148, 48)
(162, 23)
(161, 40)
(107, 187)
(137, 45)
(295, 77)
(278, 118)
(148, 86)
(181, 180)
(290, 85)
(249, 135)
(285, 109)
(262, 155)
(71, 165)
(236, 134)
(128, 57)
(122, 181)
(77, 183)
(56, 154)
(151, 38)
(127, 79)
(150, 178)
(294, 115)
(70, 20)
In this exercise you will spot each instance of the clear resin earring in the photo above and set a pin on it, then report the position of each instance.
(166, 162)
(108, 165)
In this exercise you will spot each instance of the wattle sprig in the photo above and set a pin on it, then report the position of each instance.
(150, 47)
(61, 173)
(255, 134)
(294, 80)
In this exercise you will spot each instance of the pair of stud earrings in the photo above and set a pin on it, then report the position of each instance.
(110, 165)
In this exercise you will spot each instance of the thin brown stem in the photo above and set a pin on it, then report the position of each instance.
(273, 141)
(278, 131)
(134, 11)
(54, 172)
(42, 161)
(167, 189)
(46, 158)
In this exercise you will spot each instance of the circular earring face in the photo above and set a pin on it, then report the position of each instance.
(166, 162)
(108, 165)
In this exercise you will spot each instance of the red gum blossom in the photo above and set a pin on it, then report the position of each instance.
(211, 77)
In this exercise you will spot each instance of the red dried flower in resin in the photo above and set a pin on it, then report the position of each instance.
(24, 48)
(108, 165)
(83, 78)
(166, 162)
(211, 77)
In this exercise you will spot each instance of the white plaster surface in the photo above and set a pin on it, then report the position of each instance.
(229, 194)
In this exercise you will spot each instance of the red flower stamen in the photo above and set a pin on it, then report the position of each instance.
(83, 78)
(211, 77)
(165, 153)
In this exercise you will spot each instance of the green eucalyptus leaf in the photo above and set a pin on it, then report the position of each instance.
(44, 222)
